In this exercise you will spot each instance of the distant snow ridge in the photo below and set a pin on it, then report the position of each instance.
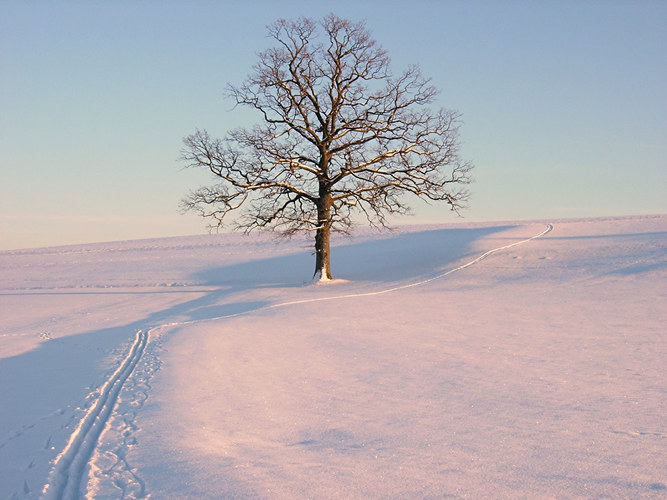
(65, 480)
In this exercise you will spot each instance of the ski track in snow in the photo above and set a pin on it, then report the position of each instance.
(70, 466)
(69, 470)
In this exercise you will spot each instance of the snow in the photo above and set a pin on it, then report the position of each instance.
(477, 360)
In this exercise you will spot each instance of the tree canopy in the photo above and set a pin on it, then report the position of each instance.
(339, 135)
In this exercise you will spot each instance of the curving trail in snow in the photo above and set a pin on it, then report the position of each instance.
(65, 481)
(548, 229)
(418, 283)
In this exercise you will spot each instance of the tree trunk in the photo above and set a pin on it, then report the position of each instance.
(322, 236)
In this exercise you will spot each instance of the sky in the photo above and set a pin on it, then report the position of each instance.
(563, 105)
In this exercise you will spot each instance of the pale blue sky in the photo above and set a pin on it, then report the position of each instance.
(563, 102)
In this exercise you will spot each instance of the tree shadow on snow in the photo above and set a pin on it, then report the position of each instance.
(392, 258)
(55, 378)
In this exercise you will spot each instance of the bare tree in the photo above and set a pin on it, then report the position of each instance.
(340, 135)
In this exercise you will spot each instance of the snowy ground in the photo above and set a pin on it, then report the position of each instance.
(207, 367)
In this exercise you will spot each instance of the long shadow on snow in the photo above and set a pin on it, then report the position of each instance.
(58, 375)
(394, 258)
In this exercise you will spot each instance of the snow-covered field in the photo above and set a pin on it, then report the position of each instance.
(208, 366)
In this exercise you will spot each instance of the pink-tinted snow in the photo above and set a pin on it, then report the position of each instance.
(536, 372)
